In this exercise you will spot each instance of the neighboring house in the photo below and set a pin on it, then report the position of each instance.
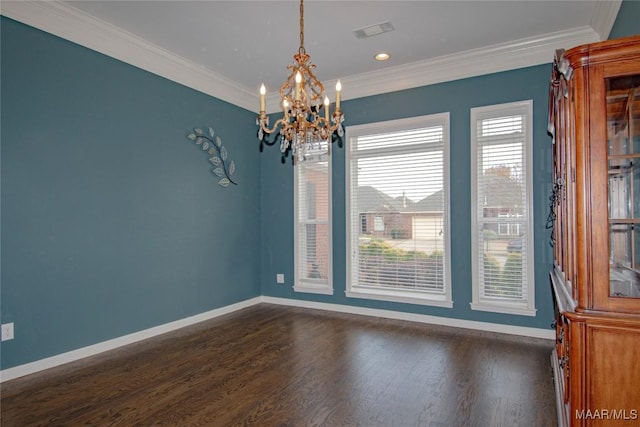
(503, 201)
(400, 218)
(386, 217)
(380, 214)
(428, 219)
(316, 212)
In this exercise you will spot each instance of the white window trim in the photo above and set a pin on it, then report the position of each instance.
(402, 296)
(306, 285)
(507, 307)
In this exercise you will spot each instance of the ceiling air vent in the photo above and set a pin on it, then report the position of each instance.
(373, 30)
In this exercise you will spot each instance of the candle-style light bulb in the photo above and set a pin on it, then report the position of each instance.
(263, 102)
(338, 89)
(326, 109)
(298, 84)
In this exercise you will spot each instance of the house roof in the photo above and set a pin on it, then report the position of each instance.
(371, 199)
(431, 203)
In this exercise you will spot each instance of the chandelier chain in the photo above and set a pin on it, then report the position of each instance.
(301, 50)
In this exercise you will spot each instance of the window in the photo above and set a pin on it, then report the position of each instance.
(398, 211)
(501, 198)
(378, 223)
(312, 205)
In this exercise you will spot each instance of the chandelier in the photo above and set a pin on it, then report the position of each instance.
(307, 124)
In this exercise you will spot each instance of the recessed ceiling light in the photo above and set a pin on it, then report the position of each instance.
(382, 56)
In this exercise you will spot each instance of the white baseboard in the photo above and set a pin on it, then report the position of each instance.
(421, 318)
(92, 350)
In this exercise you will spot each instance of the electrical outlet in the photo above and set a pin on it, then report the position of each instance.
(280, 278)
(7, 331)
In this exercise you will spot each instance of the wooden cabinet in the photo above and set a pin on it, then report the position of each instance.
(594, 119)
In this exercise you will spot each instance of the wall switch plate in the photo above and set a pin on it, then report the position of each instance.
(7, 331)
(280, 278)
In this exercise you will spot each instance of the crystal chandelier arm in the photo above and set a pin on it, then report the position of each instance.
(263, 119)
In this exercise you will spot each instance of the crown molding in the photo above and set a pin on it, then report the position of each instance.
(65, 21)
(509, 56)
(604, 16)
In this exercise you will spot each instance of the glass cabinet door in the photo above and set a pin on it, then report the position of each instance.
(623, 139)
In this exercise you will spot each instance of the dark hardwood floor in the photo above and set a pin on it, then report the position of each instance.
(281, 366)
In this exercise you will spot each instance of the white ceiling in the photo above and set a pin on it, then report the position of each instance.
(227, 48)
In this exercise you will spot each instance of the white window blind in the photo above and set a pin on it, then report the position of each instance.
(397, 203)
(313, 224)
(502, 242)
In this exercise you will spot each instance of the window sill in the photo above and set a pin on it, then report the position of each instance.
(503, 308)
(400, 296)
(312, 288)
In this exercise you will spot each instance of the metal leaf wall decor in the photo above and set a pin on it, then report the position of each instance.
(223, 168)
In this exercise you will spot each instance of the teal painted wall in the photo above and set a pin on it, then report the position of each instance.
(112, 221)
(456, 97)
(628, 20)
